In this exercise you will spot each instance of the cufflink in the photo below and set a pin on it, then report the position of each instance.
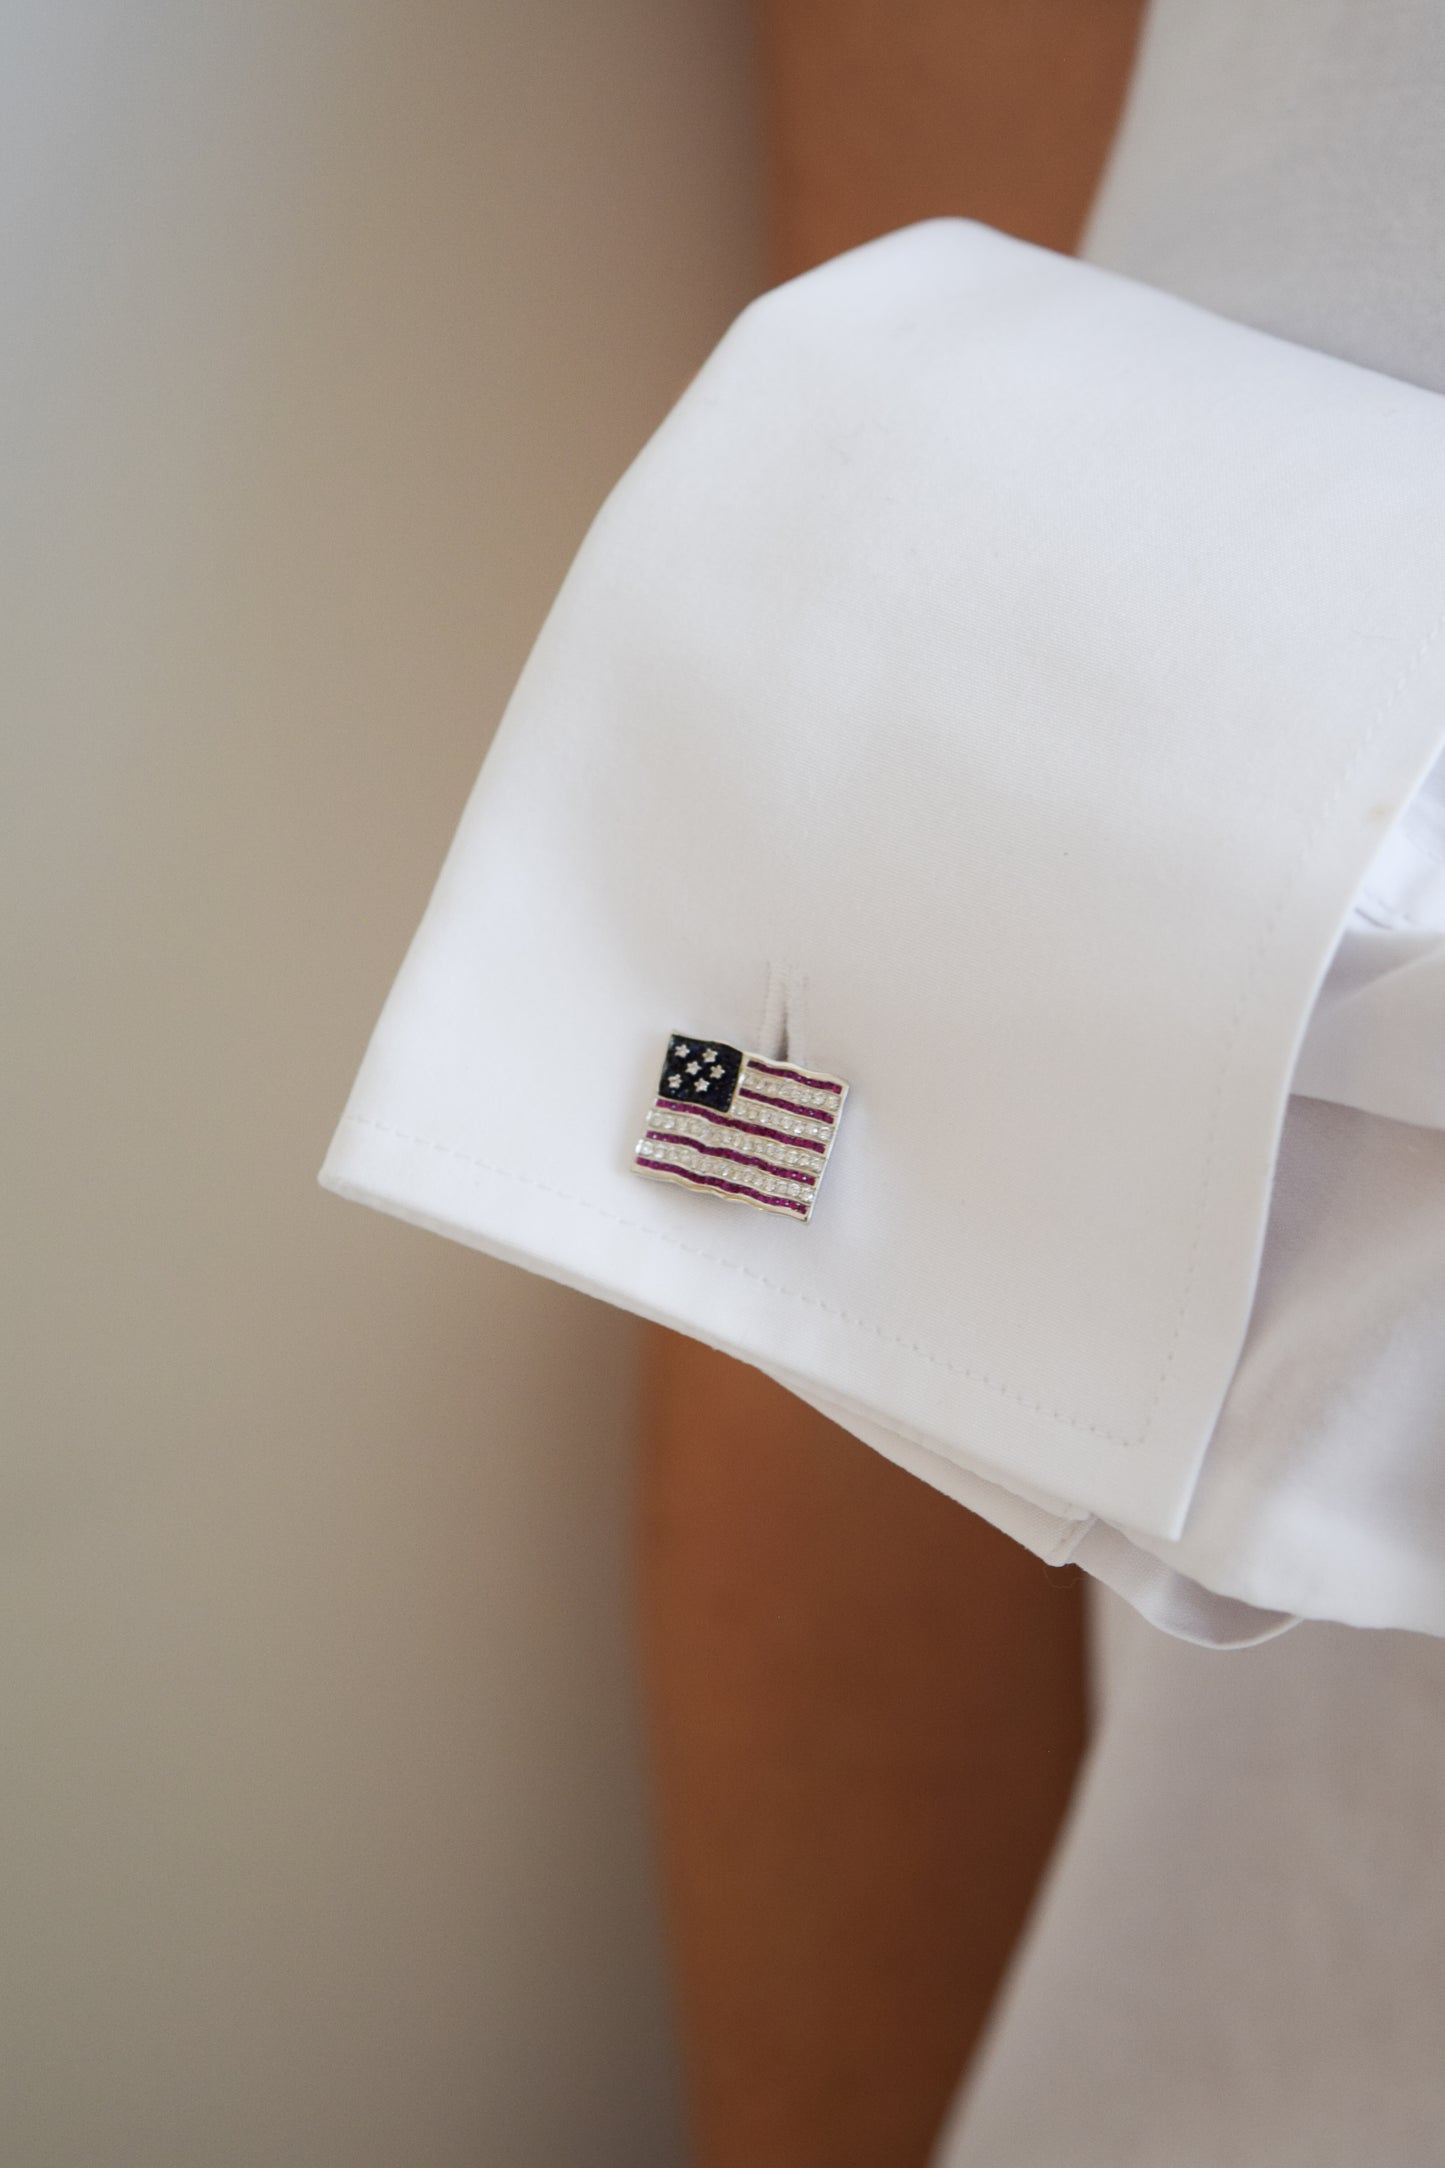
(741, 1128)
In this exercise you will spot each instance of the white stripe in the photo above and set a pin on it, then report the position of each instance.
(802, 1095)
(725, 1170)
(680, 1123)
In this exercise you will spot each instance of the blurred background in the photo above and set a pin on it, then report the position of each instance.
(331, 1835)
(327, 326)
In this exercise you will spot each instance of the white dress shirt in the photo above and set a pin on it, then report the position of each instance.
(1014, 690)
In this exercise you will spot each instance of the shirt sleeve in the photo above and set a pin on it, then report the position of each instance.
(975, 723)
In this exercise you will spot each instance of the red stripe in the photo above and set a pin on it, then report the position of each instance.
(743, 1121)
(794, 1076)
(715, 1181)
(744, 1159)
(788, 1106)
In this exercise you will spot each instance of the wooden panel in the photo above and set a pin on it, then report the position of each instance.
(877, 113)
(866, 1706)
(867, 1709)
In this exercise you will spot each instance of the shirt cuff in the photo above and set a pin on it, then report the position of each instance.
(991, 688)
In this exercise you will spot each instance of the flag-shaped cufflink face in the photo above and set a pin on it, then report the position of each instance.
(734, 1126)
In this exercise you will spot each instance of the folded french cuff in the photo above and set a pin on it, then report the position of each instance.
(1020, 669)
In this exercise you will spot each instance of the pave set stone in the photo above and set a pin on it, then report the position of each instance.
(684, 1155)
(801, 1095)
(742, 1140)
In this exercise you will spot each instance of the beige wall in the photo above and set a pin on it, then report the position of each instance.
(326, 323)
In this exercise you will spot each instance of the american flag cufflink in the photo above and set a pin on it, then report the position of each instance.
(738, 1127)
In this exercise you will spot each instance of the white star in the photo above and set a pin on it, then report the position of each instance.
(701, 1085)
(683, 1052)
(709, 1053)
(673, 1081)
(716, 1069)
(692, 1068)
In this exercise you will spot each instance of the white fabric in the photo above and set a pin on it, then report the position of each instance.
(1020, 670)
(1323, 1492)
(1377, 1036)
(1239, 1958)
(1283, 162)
